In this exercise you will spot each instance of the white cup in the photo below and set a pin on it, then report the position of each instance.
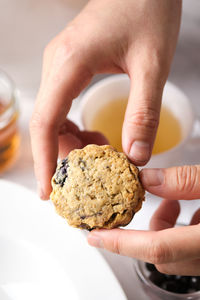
(118, 86)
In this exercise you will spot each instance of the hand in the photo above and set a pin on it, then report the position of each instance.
(172, 250)
(108, 36)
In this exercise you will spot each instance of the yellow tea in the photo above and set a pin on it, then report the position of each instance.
(110, 118)
(169, 132)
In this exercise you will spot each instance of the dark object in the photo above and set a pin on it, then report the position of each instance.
(173, 286)
(61, 174)
(157, 277)
(150, 267)
(195, 283)
(173, 283)
(82, 164)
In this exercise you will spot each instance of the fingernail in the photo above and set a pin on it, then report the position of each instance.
(152, 177)
(40, 191)
(140, 151)
(95, 241)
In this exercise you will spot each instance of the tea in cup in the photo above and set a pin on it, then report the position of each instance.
(103, 107)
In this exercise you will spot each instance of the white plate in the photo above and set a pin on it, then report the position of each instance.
(41, 257)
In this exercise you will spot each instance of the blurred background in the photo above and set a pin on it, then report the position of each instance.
(26, 26)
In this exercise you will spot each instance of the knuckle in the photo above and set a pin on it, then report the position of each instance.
(63, 46)
(64, 50)
(69, 47)
(159, 252)
(69, 43)
(71, 50)
(187, 178)
(147, 118)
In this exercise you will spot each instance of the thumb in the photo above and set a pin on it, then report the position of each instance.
(142, 115)
(173, 183)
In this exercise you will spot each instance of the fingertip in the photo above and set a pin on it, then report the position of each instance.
(43, 193)
(151, 178)
(44, 172)
(174, 183)
(140, 152)
(44, 197)
(95, 240)
(100, 237)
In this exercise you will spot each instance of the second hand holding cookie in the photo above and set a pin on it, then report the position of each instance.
(134, 37)
(172, 250)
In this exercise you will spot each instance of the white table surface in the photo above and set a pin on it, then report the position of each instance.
(21, 56)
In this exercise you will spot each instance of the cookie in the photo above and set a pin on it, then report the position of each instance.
(96, 187)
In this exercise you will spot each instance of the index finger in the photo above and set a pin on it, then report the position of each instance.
(53, 102)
